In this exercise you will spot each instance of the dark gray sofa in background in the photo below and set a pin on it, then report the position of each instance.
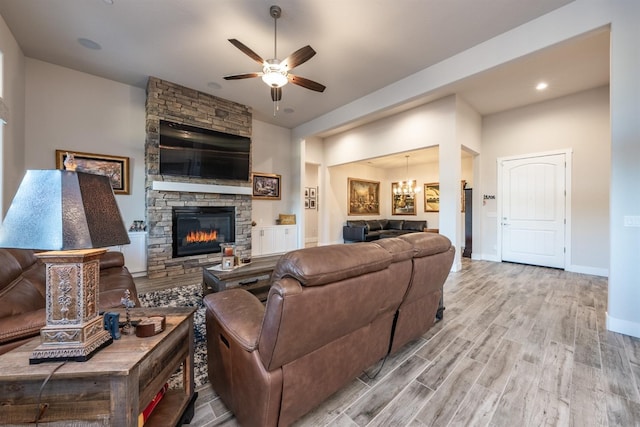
(374, 229)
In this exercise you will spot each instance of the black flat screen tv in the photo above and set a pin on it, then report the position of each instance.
(203, 153)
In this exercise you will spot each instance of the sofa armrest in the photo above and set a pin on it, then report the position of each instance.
(239, 314)
(354, 233)
(111, 259)
(23, 325)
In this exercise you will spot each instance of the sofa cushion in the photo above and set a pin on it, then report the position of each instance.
(414, 225)
(425, 244)
(400, 250)
(22, 325)
(374, 225)
(356, 223)
(338, 263)
(395, 224)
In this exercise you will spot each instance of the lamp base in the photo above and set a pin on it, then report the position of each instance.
(74, 330)
(80, 352)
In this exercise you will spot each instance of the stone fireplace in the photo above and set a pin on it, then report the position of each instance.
(167, 194)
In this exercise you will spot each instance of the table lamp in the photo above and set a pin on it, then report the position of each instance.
(73, 216)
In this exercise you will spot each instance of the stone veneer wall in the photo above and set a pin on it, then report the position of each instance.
(172, 102)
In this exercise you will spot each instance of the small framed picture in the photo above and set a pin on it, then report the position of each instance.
(312, 203)
(312, 192)
(306, 203)
(306, 191)
(266, 186)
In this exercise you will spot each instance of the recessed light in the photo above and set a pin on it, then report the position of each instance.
(214, 85)
(89, 44)
(542, 86)
(289, 110)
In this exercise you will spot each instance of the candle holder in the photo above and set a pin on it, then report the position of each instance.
(228, 255)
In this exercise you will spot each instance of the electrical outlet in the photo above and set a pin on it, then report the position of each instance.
(631, 221)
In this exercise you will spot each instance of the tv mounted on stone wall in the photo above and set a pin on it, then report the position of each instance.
(203, 153)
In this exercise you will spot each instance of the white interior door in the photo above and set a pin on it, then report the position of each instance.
(533, 210)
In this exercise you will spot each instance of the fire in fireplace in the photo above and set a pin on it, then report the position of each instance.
(201, 229)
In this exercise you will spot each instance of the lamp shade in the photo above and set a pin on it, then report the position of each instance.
(63, 210)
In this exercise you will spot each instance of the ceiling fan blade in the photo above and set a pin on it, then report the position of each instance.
(298, 57)
(276, 94)
(251, 54)
(306, 83)
(242, 76)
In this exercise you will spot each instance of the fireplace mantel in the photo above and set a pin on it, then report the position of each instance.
(190, 187)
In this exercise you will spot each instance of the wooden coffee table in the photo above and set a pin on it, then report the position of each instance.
(255, 277)
(110, 389)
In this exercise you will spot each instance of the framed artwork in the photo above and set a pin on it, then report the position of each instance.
(266, 186)
(363, 197)
(114, 167)
(432, 196)
(463, 184)
(402, 204)
(312, 203)
(312, 192)
(306, 192)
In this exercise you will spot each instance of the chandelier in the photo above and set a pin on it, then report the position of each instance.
(408, 187)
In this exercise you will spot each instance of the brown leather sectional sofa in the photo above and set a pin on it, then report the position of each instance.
(332, 312)
(22, 293)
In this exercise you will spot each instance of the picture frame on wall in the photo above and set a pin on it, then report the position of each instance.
(312, 203)
(312, 192)
(402, 204)
(114, 167)
(306, 203)
(266, 186)
(432, 196)
(306, 191)
(363, 197)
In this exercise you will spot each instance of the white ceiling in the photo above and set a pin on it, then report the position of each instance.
(362, 46)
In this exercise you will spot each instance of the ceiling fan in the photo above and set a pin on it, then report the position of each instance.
(275, 73)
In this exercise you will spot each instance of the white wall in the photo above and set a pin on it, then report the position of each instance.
(425, 126)
(70, 110)
(13, 146)
(272, 152)
(579, 122)
(624, 290)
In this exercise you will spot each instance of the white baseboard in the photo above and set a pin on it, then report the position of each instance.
(311, 240)
(484, 257)
(603, 272)
(623, 326)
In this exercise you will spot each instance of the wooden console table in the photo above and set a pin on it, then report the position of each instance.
(254, 277)
(112, 388)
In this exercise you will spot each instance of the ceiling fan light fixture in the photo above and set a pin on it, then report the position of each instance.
(273, 74)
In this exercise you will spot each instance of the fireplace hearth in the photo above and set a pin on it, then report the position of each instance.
(201, 229)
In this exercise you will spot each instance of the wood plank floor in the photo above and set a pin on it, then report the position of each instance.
(519, 346)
